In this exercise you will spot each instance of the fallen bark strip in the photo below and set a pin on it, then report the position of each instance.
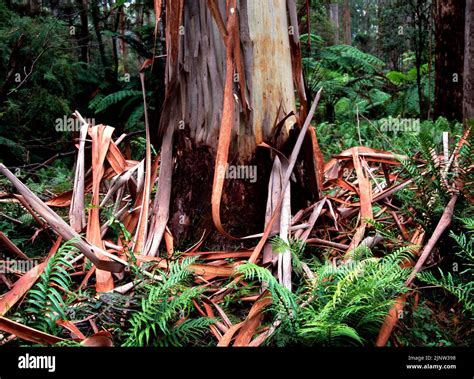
(62, 228)
(160, 211)
(285, 182)
(143, 227)
(77, 216)
(443, 224)
(227, 121)
(391, 320)
(286, 179)
(12, 247)
(23, 284)
(321, 242)
(26, 333)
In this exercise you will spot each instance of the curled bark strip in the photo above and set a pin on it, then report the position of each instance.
(163, 196)
(286, 179)
(101, 136)
(26, 333)
(253, 320)
(217, 17)
(62, 228)
(77, 216)
(12, 247)
(71, 327)
(142, 229)
(227, 121)
(23, 284)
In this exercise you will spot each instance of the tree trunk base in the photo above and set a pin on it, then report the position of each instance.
(242, 205)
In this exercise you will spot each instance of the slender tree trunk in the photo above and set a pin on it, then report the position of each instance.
(115, 53)
(85, 38)
(347, 23)
(261, 91)
(468, 102)
(419, 42)
(449, 58)
(123, 45)
(334, 18)
(95, 21)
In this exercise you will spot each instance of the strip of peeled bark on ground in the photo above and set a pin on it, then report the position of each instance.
(391, 320)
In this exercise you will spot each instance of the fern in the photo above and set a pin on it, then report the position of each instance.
(164, 305)
(114, 98)
(45, 303)
(459, 284)
(463, 291)
(283, 299)
(345, 304)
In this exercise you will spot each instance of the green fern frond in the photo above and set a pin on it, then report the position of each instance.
(162, 305)
(45, 303)
(114, 98)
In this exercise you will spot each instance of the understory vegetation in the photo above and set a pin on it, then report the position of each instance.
(378, 92)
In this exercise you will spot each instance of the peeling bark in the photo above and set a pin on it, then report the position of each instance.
(267, 70)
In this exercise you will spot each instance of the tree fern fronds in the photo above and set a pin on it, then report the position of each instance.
(107, 101)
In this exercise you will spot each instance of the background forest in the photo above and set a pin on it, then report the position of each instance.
(396, 77)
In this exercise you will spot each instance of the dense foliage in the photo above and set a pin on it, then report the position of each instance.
(378, 92)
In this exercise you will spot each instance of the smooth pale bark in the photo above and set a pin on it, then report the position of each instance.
(334, 18)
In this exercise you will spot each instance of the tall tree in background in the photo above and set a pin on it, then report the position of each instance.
(449, 22)
(334, 18)
(421, 11)
(84, 38)
(347, 23)
(231, 76)
(468, 77)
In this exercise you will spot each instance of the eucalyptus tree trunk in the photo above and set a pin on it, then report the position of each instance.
(346, 16)
(449, 22)
(334, 18)
(468, 102)
(233, 66)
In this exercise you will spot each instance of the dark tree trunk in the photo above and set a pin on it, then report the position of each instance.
(449, 19)
(468, 103)
(115, 53)
(347, 23)
(420, 40)
(95, 21)
(84, 38)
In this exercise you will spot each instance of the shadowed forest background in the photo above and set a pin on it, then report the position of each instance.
(376, 248)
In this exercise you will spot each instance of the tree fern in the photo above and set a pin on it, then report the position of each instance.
(114, 98)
